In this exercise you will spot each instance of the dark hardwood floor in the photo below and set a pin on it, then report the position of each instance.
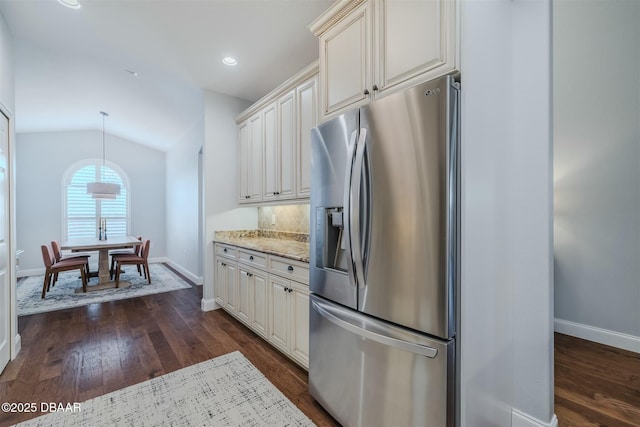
(595, 385)
(76, 354)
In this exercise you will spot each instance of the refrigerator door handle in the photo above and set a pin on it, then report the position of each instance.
(374, 331)
(346, 209)
(354, 208)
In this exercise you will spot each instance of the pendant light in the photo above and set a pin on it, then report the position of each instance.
(101, 189)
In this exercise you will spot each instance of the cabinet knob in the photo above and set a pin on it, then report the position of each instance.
(290, 290)
(375, 87)
(251, 258)
(225, 249)
(290, 268)
(284, 289)
(366, 92)
(274, 193)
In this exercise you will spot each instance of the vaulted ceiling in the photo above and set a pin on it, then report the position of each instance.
(72, 63)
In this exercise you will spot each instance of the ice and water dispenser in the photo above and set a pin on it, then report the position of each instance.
(332, 248)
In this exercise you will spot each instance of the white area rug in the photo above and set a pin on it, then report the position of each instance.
(225, 391)
(63, 295)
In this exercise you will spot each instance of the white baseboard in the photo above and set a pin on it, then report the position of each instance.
(520, 419)
(30, 272)
(17, 346)
(209, 304)
(195, 279)
(40, 271)
(602, 336)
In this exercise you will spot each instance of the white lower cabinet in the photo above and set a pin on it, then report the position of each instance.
(259, 303)
(244, 294)
(274, 307)
(278, 312)
(225, 286)
(289, 318)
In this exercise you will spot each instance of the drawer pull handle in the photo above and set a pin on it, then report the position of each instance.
(251, 258)
(290, 268)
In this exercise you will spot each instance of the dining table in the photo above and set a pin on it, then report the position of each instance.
(102, 246)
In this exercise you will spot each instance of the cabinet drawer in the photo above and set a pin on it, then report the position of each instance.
(253, 258)
(290, 269)
(226, 250)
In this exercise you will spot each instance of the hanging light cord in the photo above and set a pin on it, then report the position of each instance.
(104, 155)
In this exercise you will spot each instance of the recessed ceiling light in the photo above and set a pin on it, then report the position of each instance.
(133, 73)
(229, 61)
(73, 4)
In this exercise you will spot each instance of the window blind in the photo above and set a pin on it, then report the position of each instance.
(84, 212)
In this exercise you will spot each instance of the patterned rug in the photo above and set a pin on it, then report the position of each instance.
(62, 295)
(225, 391)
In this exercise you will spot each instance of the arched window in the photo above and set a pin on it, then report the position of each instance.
(82, 213)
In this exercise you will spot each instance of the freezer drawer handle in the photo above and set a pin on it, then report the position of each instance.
(333, 317)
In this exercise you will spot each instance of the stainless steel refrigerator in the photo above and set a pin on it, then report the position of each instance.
(384, 260)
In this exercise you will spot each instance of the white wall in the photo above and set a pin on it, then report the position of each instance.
(221, 210)
(183, 250)
(597, 169)
(41, 161)
(506, 285)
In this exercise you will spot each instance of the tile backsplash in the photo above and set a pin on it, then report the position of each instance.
(292, 218)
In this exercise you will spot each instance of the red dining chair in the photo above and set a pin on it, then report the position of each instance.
(141, 260)
(53, 268)
(57, 256)
(124, 252)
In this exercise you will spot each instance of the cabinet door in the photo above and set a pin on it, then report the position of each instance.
(244, 299)
(243, 162)
(221, 283)
(306, 97)
(255, 158)
(279, 313)
(299, 333)
(345, 55)
(414, 41)
(259, 303)
(231, 280)
(271, 153)
(287, 140)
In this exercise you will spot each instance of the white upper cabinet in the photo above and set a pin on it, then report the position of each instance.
(307, 104)
(243, 162)
(370, 48)
(345, 54)
(274, 154)
(271, 153)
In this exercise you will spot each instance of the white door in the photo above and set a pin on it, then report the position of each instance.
(244, 284)
(300, 323)
(255, 158)
(220, 286)
(287, 155)
(232, 295)
(243, 162)
(270, 153)
(5, 304)
(279, 313)
(307, 120)
(259, 303)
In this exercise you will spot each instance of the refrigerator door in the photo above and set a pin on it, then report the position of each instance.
(332, 155)
(406, 229)
(382, 375)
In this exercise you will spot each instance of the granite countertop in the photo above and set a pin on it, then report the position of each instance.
(289, 245)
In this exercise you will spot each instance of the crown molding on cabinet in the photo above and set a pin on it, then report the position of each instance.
(335, 13)
(292, 81)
